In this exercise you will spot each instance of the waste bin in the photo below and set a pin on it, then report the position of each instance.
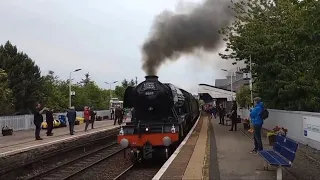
(7, 131)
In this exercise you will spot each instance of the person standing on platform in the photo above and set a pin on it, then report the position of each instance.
(234, 116)
(222, 113)
(214, 111)
(118, 114)
(257, 121)
(38, 119)
(112, 113)
(86, 116)
(93, 117)
(49, 120)
(71, 115)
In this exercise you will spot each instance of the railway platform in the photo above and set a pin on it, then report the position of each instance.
(25, 139)
(22, 147)
(213, 152)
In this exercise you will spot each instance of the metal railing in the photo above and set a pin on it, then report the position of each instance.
(25, 122)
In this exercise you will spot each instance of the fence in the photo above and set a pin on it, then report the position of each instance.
(25, 122)
(292, 120)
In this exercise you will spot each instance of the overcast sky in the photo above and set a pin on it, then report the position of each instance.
(102, 37)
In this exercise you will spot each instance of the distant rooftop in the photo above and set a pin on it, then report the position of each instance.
(221, 82)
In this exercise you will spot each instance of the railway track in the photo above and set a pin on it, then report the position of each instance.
(140, 171)
(50, 159)
(73, 167)
(124, 173)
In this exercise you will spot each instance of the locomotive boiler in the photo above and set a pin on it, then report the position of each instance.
(163, 116)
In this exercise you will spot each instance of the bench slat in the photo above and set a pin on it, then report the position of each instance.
(283, 153)
(291, 144)
(274, 159)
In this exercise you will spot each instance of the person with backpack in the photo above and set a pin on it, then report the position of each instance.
(257, 115)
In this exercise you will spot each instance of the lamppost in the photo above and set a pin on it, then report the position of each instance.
(70, 85)
(231, 79)
(110, 83)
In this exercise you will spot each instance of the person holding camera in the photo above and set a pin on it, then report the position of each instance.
(38, 119)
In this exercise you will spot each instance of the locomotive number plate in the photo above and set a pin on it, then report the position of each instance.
(149, 86)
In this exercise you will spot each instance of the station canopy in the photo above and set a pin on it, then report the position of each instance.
(215, 92)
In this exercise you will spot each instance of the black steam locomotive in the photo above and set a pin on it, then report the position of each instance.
(163, 116)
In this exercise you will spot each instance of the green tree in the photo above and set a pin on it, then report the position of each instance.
(24, 77)
(86, 80)
(282, 40)
(54, 96)
(90, 95)
(243, 96)
(120, 90)
(132, 82)
(5, 94)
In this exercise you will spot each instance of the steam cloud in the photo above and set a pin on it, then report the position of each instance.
(175, 34)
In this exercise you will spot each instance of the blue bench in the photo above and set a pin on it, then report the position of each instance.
(282, 154)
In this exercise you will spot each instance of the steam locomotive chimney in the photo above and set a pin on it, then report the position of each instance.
(152, 78)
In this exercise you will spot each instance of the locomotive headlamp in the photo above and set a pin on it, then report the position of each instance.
(121, 133)
(173, 129)
(147, 128)
(166, 141)
(124, 143)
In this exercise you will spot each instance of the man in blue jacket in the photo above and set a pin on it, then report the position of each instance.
(257, 122)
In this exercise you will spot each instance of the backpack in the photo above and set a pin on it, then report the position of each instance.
(264, 114)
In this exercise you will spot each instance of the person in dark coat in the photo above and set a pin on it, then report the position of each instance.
(92, 116)
(118, 115)
(234, 116)
(49, 120)
(71, 115)
(133, 115)
(214, 111)
(222, 113)
(38, 119)
(112, 113)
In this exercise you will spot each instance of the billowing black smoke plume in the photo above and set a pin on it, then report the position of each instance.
(175, 34)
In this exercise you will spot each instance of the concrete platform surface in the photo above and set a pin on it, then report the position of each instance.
(175, 167)
(194, 169)
(24, 140)
(234, 158)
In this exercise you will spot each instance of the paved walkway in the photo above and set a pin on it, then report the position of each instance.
(233, 157)
(195, 166)
(25, 138)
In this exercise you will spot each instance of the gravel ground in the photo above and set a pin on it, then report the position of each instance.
(7, 163)
(145, 172)
(108, 169)
(54, 161)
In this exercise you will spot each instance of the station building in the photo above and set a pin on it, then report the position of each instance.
(221, 93)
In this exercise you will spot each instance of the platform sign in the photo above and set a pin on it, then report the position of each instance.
(311, 127)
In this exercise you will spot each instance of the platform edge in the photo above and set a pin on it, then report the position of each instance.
(8, 153)
(175, 153)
